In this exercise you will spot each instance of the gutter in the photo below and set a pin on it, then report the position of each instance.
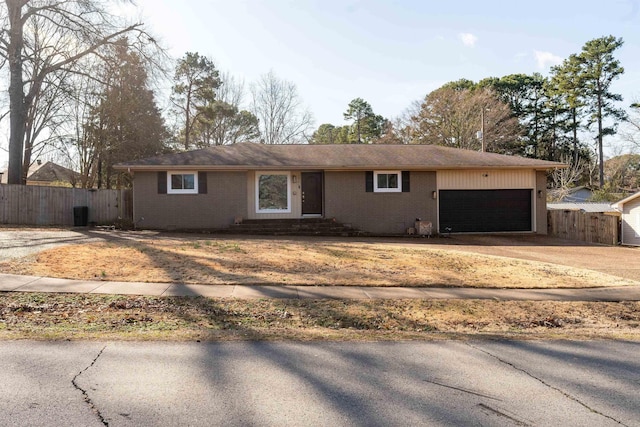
(239, 168)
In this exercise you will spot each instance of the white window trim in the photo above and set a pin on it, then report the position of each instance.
(194, 190)
(257, 185)
(387, 190)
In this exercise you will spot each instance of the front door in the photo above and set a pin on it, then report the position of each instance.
(311, 193)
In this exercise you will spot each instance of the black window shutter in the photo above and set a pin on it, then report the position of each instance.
(406, 182)
(162, 183)
(369, 181)
(202, 183)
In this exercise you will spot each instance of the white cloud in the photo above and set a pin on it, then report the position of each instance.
(546, 59)
(468, 39)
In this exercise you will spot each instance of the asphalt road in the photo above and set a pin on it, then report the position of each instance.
(339, 384)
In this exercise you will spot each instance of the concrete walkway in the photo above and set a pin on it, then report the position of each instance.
(13, 283)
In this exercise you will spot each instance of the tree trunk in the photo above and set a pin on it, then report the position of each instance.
(100, 171)
(574, 125)
(600, 150)
(17, 115)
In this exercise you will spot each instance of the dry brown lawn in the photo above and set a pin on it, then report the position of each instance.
(220, 260)
(118, 317)
(200, 260)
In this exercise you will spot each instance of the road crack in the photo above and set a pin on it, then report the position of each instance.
(85, 395)
(464, 390)
(503, 414)
(546, 384)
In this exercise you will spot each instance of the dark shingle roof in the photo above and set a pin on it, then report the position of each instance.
(333, 157)
(52, 172)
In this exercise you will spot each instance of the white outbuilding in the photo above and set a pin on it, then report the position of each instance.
(630, 209)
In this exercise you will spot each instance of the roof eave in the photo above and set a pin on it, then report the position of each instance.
(621, 203)
(151, 168)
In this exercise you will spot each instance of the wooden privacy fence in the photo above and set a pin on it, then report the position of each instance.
(35, 205)
(584, 226)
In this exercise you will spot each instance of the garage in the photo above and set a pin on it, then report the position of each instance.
(482, 211)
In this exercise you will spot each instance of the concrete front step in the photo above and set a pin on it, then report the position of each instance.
(301, 227)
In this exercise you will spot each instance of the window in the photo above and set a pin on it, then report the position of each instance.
(272, 192)
(182, 183)
(387, 182)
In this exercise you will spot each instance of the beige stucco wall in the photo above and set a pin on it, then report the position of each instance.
(631, 222)
(226, 198)
(348, 202)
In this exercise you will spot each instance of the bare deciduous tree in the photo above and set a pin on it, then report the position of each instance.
(75, 29)
(283, 118)
(77, 145)
(453, 117)
(631, 128)
(565, 178)
(229, 122)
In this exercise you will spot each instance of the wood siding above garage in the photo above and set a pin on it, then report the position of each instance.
(490, 179)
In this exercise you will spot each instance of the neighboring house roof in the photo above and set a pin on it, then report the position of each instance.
(51, 172)
(577, 194)
(586, 207)
(48, 172)
(335, 157)
(619, 204)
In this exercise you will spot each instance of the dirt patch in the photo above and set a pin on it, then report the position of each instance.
(76, 317)
(196, 259)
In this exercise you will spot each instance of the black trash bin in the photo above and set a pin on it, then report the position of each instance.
(80, 216)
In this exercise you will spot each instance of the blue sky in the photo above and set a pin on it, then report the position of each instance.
(391, 52)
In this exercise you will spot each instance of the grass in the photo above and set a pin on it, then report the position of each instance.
(323, 262)
(82, 317)
(196, 260)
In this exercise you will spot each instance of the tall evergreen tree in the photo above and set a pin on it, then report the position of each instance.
(598, 69)
(566, 87)
(330, 134)
(195, 82)
(366, 124)
(127, 123)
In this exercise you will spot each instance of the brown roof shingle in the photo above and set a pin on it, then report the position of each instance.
(334, 157)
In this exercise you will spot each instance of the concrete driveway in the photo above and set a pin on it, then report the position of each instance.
(621, 261)
(16, 243)
(614, 260)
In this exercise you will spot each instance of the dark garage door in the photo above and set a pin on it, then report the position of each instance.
(466, 211)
